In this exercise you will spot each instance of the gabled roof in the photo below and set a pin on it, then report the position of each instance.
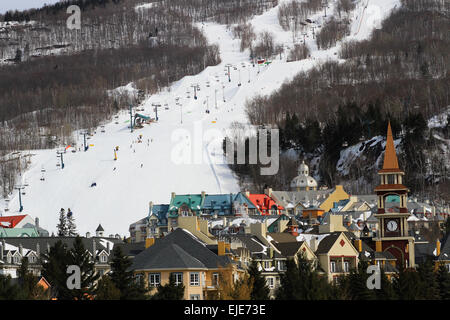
(178, 249)
(282, 237)
(327, 243)
(242, 199)
(11, 221)
(288, 249)
(264, 202)
(100, 228)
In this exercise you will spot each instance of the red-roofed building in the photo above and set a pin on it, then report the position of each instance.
(265, 204)
(15, 221)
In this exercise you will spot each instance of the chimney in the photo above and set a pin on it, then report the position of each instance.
(221, 248)
(438, 248)
(108, 248)
(203, 194)
(378, 246)
(268, 192)
(172, 195)
(358, 245)
(149, 242)
(38, 249)
(36, 223)
(247, 193)
(88, 234)
(94, 249)
(1, 251)
(150, 208)
(21, 249)
(48, 247)
(313, 244)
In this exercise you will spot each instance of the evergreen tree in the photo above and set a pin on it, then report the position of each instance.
(357, 283)
(54, 269)
(62, 225)
(443, 279)
(260, 290)
(407, 284)
(429, 287)
(169, 291)
(289, 283)
(123, 278)
(8, 290)
(386, 291)
(302, 282)
(79, 256)
(28, 283)
(106, 290)
(71, 227)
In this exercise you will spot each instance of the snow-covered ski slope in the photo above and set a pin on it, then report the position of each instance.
(150, 170)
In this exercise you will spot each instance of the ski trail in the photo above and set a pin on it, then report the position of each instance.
(213, 169)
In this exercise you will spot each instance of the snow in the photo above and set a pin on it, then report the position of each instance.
(440, 120)
(105, 243)
(413, 218)
(183, 157)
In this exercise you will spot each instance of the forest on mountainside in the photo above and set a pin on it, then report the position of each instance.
(400, 74)
(54, 80)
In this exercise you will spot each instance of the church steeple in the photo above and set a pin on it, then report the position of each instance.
(393, 234)
(390, 163)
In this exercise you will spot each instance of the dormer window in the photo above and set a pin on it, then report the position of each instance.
(103, 258)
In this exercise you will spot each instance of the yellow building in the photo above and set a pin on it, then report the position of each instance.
(192, 263)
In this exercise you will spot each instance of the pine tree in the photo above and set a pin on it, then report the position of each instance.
(62, 225)
(386, 291)
(123, 279)
(54, 269)
(79, 256)
(169, 291)
(106, 290)
(429, 287)
(357, 283)
(443, 279)
(71, 227)
(28, 283)
(302, 282)
(407, 284)
(260, 290)
(8, 290)
(289, 283)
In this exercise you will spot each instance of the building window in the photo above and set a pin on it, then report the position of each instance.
(282, 265)
(194, 279)
(178, 276)
(32, 259)
(103, 258)
(332, 266)
(194, 297)
(270, 282)
(16, 259)
(346, 266)
(154, 279)
(266, 264)
(215, 279)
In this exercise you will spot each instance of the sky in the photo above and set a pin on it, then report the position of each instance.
(6, 5)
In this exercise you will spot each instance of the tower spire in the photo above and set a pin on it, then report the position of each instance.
(390, 156)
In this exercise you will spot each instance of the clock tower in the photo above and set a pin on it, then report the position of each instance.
(392, 212)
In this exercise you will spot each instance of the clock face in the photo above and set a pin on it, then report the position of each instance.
(392, 225)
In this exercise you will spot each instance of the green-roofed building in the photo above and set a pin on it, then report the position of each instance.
(18, 232)
(186, 205)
